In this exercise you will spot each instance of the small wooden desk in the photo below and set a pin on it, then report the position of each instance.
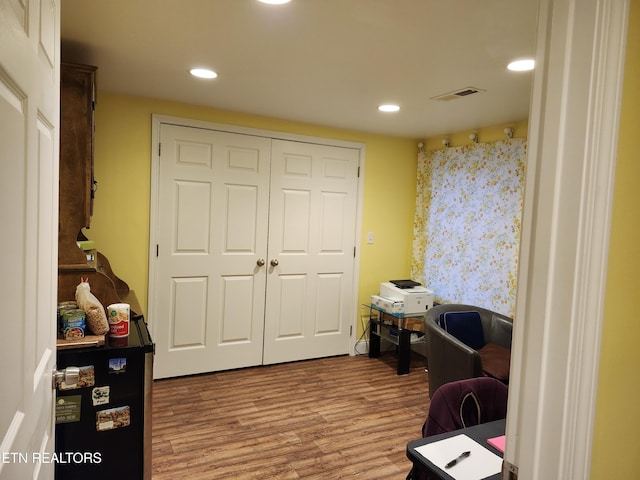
(480, 433)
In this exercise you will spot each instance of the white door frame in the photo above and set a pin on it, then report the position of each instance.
(158, 119)
(573, 131)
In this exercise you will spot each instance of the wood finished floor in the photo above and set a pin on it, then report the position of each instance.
(332, 418)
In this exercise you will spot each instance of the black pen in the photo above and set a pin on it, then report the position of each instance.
(461, 457)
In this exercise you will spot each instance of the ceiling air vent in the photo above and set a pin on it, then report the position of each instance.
(464, 92)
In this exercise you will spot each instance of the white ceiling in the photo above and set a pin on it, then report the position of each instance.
(324, 62)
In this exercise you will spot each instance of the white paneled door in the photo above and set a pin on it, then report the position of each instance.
(311, 242)
(255, 250)
(213, 218)
(29, 113)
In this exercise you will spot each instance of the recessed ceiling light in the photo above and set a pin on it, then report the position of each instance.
(388, 108)
(274, 2)
(203, 73)
(522, 65)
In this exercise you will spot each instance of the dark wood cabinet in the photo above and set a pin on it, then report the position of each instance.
(76, 192)
(77, 103)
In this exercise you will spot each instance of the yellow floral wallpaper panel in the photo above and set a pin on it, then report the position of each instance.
(467, 224)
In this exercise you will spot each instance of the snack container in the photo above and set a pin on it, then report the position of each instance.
(118, 316)
(73, 324)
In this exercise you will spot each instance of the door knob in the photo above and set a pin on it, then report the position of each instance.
(260, 262)
(274, 262)
(70, 376)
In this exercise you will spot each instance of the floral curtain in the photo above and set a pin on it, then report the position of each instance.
(467, 224)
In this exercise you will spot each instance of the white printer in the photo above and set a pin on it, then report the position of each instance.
(417, 299)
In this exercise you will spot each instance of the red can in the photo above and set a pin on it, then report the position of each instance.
(118, 316)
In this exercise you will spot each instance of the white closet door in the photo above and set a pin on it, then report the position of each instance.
(213, 215)
(311, 251)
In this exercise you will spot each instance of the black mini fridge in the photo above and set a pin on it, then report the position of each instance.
(103, 422)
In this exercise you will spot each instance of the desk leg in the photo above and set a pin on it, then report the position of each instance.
(374, 340)
(404, 351)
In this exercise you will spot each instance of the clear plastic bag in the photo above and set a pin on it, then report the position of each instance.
(87, 301)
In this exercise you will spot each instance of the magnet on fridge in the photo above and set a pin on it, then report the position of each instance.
(117, 365)
(68, 409)
(113, 418)
(87, 378)
(100, 395)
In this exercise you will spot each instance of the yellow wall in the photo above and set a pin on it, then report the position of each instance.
(120, 224)
(616, 445)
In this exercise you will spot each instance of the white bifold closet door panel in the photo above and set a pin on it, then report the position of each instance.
(312, 226)
(213, 212)
(255, 250)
